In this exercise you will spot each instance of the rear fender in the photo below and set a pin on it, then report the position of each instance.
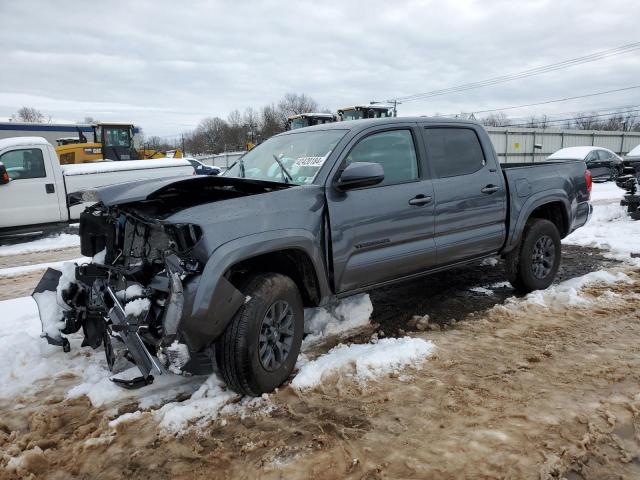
(541, 198)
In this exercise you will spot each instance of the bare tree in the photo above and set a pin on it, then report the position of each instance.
(270, 123)
(496, 120)
(30, 115)
(294, 104)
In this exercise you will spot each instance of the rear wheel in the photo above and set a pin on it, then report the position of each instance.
(534, 263)
(258, 350)
(615, 173)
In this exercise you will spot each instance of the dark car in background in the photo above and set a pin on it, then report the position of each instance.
(603, 164)
(632, 160)
(202, 169)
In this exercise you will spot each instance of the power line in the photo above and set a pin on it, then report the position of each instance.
(573, 119)
(546, 102)
(580, 112)
(526, 73)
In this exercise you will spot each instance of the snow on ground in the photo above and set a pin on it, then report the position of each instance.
(348, 314)
(364, 361)
(23, 269)
(55, 242)
(602, 192)
(610, 227)
(569, 291)
(29, 363)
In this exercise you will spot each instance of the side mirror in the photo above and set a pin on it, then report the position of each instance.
(4, 176)
(360, 174)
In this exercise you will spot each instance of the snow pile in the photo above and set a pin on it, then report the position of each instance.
(132, 291)
(50, 314)
(56, 242)
(137, 307)
(204, 405)
(350, 313)
(67, 279)
(27, 360)
(568, 292)
(610, 228)
(365, 361)
(100, 256)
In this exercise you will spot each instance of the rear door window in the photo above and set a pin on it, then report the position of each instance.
(604, 155)
(23, 164)
(453, 152)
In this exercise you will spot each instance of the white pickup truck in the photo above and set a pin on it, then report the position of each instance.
(34, 186)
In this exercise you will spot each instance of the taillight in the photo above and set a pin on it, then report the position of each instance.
(589, 180)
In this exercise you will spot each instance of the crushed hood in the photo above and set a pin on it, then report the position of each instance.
(129, 192)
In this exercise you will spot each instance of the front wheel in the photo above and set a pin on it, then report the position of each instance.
(258, 349)
(534, 263)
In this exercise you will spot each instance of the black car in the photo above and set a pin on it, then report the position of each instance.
(603, 164)
(202, 169)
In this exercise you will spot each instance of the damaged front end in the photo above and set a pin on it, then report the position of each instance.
(130, 297)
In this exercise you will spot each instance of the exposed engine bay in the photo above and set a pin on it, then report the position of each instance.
(130, 298)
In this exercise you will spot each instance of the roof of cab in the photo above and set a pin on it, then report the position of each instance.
(21, 142)
(363, 124)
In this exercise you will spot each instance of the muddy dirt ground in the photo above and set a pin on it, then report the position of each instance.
(518, 391)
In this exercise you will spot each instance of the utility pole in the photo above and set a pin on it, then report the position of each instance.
(394, 102)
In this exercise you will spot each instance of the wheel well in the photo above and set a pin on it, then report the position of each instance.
(293, 263)
(555, 213)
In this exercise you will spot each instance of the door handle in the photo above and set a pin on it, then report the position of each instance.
(50, 188)
(489, 189)
(420, 200)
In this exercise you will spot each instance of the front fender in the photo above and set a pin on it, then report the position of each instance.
(527, 208)
(216, 300)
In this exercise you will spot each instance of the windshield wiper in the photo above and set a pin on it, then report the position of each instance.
(284, 170)
(241, 162)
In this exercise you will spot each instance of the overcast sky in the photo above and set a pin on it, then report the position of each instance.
(165, 65)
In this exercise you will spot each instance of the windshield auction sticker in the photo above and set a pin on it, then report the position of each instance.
(309, 161)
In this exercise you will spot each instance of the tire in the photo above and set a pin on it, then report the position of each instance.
(534, 263)
(615, 173)
(271, 320)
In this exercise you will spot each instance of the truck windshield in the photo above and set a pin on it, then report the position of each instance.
(299, 123)
(117, 137)
(294, 158)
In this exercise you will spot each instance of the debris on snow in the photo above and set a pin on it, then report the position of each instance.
(482, 290)
(174, 357)
(490, 262)
(365, 361)
(419, 322)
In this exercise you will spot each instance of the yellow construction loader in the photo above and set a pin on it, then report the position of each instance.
(113, 141)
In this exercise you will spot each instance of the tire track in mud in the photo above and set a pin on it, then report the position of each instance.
(520, 391)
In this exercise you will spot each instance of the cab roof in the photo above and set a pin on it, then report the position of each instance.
(22, 142)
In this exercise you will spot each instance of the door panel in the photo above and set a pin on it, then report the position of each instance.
(376, 233)
(30, 197)
(470, 208)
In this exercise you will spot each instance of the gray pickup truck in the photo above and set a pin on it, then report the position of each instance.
(187, 270)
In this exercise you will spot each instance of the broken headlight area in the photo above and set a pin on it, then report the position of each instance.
(130, 296)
